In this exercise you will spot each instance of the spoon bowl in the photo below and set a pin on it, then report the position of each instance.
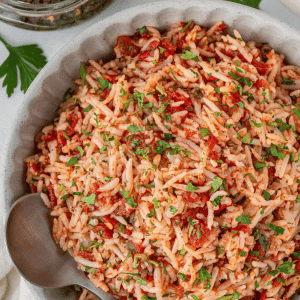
(34, 252)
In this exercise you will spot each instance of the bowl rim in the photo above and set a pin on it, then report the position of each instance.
(10, 145)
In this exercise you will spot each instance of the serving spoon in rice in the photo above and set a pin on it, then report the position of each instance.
(34, 252)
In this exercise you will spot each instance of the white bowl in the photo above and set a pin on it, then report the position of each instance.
(46, 92)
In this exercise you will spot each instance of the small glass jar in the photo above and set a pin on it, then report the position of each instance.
(49, 16)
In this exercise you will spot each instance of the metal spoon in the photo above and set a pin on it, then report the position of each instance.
(34, 252)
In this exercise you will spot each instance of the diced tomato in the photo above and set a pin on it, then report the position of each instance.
(150, 278)
(262, 68)
(86, 255)
(196, 241)
(261, 83)
(108, 219)
(211, 78)
(195, 197)
(176, 97)
(181, 219)
(86, 208)
(297, 265)
(257, 296)
(52, 196)
(222, 27)
(139, 248)
(71, 129)
(161, 260)
(221, 208)
(243, 228)
(170, 49)
(271, 173)
(257, 248)
(126, 46)
(212, 141)
(235, 97)
(124, 209)
(146, 35)
(263, 295)
(153, 45)
(61, 140)
(35, 168)
(116, 224)
(232, 54)
(180, 44)
(106, 232)
(104, 94)
(144, 54)
(51, 136)
(33, 188)
(112, 78)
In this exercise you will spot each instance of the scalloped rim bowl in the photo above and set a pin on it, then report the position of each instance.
(45, 93)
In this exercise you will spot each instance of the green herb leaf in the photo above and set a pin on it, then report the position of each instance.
(82, 73)
(134, 128)
(189, 55)
(72, 161)
(89, 200)
(244, 219)
(130, 200)
(235, 295)
(287, 267)
(278, 230)
(186, 26)
(259, 166)
(173, 210)
(191, 188)
(257, 124)
(204, 132)
(182, 276)
(288, 81)
(107, 178)
(88, 108)
(266, 195)
(216, 183)
(80, 150)
(141, 281)
(28, 59)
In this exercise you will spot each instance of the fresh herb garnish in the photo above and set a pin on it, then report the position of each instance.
(28, 59)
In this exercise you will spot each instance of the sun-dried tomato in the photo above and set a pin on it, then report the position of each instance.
(126, 46)
(112, 78)
(197, 241)
(139, 248)
(106, 232)
(260, 83)
(86, 255)
(169, 49)
(73, 122)
(50, 136)
(262, 68)
(143, 55)
(195, 197)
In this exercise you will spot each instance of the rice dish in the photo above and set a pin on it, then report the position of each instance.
(172, 170)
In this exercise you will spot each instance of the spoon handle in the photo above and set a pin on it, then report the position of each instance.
(87, 284)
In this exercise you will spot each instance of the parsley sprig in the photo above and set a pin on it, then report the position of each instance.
(251, 3)
(28, 59)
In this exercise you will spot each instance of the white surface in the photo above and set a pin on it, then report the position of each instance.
(50, 42)
(293, 5)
